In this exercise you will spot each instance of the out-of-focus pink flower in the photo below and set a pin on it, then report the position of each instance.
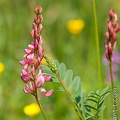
(111, 37)
(32, 73)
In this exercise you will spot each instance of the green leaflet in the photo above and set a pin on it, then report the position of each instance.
(68, 77)
(47, 70)
(75, 84)
(62, 71)
(56, 63)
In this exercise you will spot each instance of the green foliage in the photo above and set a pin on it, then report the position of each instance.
(94, 104)
(70, 84)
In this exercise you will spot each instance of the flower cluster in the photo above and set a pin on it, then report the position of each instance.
(111, 37)
(32, 74)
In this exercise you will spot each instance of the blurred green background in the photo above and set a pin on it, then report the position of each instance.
(78, 52)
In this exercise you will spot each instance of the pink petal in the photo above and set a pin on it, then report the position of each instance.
(25, 78)
(42, 90)
(32, 86)
(24, 72)
(27, 90)
(30, 46)
(49, 93)
(40, 81)
(23, 62)
(30, 56)
(40, 71)
(28, 51)
(47, 78)
(32, 33)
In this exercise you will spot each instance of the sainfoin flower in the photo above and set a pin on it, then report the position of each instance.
(75, 26)
(31, 109)
(32, 73)
(111, 37)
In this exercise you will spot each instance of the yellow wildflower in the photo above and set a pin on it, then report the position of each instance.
(2, 67)
(75, 26)
(31, 109)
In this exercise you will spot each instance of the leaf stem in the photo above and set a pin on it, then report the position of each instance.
(68, 95)
(97, 45)
(40, 106)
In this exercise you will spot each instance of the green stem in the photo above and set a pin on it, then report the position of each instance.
(40, 106)
(111, 74)
(97, 45)
(113, 92)
(68, 95)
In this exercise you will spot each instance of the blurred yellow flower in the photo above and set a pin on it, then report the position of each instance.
(31, 109)
(2, 67)
(43, 62)
(75, 26)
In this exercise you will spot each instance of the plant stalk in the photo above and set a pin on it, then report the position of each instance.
(115, 114)
(97, 45)
(111, 74)
(68, 95)
(40, 106)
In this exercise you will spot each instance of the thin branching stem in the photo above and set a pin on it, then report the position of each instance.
(97, 44)
(68, 95)
(40, 106)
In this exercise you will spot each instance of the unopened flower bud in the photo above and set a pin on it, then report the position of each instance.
(51, 65)
(38, 10)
